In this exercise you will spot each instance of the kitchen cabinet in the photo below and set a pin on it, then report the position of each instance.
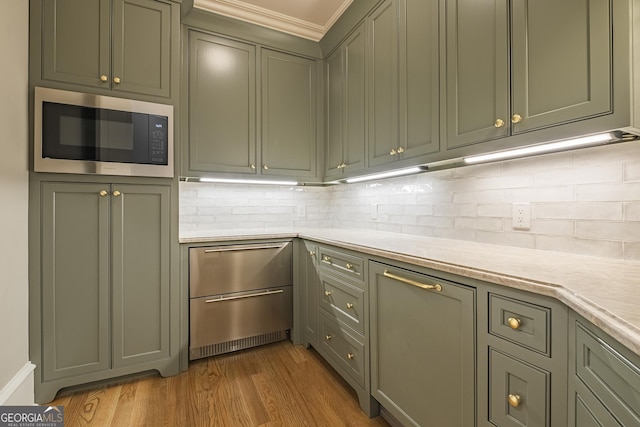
(230, 132)
(604, 378)
(422, 346)
(124, 46)
(346, 134)
(521, 359)
(403, 75)
(103, 294)
(289, 125)
(517, 66)
(309, 292)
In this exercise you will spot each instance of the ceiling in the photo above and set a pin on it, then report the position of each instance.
(309, 19)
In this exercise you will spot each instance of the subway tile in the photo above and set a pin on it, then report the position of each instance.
(623, 192)
(500, 210)
(632, 171)
(485, 224)
(632, 251)
(580, 210)
(521, 240)
(597, 174)
(551, 227)
(603, 230)
(591, 247)
(632, 211)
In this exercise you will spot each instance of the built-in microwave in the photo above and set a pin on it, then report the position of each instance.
(94, 134)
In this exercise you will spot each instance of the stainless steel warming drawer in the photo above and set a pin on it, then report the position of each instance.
(240, 297)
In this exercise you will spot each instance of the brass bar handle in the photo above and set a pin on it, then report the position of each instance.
(349, 305)
(257, 294)
(514, 400)
(437, 287)
(514, 322)
(245, 247)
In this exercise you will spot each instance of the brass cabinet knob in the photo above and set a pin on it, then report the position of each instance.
(312, 253)
(116, 193)
(349, 305)
(327, 293)
(516, 118)
(328, 337)
(499, 123)
(116, 80)
(350, 356)
(393, 152)
(326, 259)
(252, 166)
(103, 193)
(349, 266)
(400, 150)
(514, 400)
(265, 167)
(514, 322)
(104, 78)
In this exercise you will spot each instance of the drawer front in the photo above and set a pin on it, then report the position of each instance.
(609, 375)
(347, 351)
(344, 301)
(522, 323)
(518, 392)
(343, 263)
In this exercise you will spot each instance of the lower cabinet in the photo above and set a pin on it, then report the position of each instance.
(103, 295)
(309, 292)
(604, 379)
(422, 347)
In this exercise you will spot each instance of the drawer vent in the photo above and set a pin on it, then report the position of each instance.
(239, 344)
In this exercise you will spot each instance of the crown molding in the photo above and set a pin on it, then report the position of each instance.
(270, 19)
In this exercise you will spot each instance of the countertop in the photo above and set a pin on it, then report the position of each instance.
(604, 291)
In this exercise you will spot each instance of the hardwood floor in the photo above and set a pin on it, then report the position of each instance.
(274, 385)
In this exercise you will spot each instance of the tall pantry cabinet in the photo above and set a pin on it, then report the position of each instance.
(103, 249)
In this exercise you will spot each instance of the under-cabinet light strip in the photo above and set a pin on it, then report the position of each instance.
(382, 175)
(584, 141)
(246, 181)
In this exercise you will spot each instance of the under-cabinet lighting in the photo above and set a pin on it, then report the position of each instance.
(584, 141)
(246, 181)
(390, 174)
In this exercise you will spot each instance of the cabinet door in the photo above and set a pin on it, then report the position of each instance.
(334, 66)
(561, 57)
(289, 115)
(141, 276)
(477, 76)
(221, 105)
(75, 279)
(422, 348)
(142, 47)
(309, 292)
(419, 78)
(76, 41)
(383, 83)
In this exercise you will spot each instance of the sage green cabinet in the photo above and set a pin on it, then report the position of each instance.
(517, 66)
(422, 346)
(251, 110)
(122, 45)
(309, 292)
(604, 378)
(104, 285)
(346, 134)
(403, 79)
(289, 133)
(221, 105)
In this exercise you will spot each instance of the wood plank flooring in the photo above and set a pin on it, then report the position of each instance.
(273, 385)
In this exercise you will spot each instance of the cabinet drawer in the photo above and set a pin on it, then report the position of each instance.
(343, 348)
(525, 324)
(343, 263)
(344, 302)
(518, 392)
(609, 375)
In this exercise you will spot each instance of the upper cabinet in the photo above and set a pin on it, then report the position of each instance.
(518, 66)
(251, 111)
(403, 78)
(126, 46)
(346, 133)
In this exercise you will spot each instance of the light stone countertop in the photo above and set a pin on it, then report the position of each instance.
(604, 291)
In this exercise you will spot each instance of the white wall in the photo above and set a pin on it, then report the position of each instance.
(585, 202)
(16, 377)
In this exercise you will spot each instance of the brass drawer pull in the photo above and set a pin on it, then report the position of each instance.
(328, 337)
(514, 400)
(327, 293)
(514, 322)
(349, 306)
(312, 253)
(350, 356)
(349, 266)
(437, 287)
(326, 259)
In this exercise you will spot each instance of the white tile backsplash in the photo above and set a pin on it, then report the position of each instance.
(585, 202)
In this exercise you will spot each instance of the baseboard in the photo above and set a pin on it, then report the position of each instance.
(19, 390)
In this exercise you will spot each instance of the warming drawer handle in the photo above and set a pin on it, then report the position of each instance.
(245, 248)
(437, 287)
(258, 294)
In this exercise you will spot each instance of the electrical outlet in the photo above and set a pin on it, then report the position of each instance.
(521, 216)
